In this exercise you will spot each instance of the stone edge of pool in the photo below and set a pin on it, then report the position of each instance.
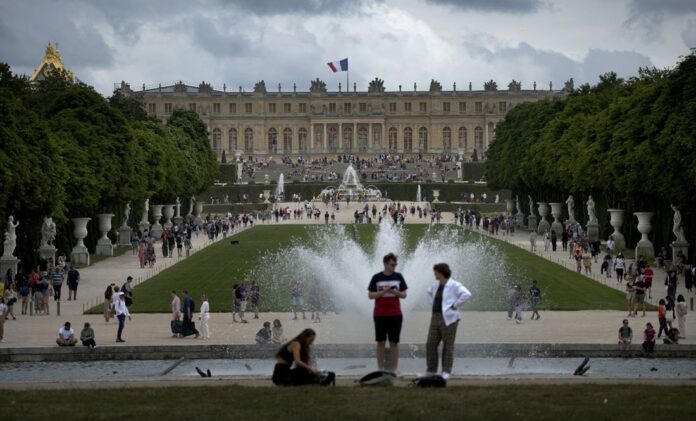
(171, 352)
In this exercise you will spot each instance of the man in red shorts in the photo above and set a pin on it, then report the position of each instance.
(648, 278)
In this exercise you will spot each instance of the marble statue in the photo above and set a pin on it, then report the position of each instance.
(192, 201)
(678, 227)
(517, 202)
(178, 206)
(591, 211)
(10, 242)
(48, 232)
(571, 208)
(126, 215)
(146, 210)
(531, 204)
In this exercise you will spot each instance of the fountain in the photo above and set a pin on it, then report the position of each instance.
(350, 187)
(280, 190)
(331, 255)
(418, 194)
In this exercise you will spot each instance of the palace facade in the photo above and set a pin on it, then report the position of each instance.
(319, 122)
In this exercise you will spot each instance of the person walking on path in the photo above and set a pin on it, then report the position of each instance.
(298, 299)
(188, 307)
(73, 281)
(121, 314)
(662, 318)
(2, 317)
(56, 282)
(388, 288)
(108, 298)
(239, 298)
(127, 290)
(682, 310)
(204, 317)
(535, 299)
(445, 295)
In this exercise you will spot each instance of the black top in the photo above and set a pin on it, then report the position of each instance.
(285, 354)
(437, 302)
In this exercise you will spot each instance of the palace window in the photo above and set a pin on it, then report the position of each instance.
(392, 140)
(302, 139)
(462, 138)
(422, 139)
(271, 107)
(287, 108)
(478, 139)
(216, 107)
(192, 106)
(233, 108)
(333, 139)
(152, 108)
(303, 107)
(447, 139)
(232, 145)
(407, 107)
(348, 139)
(479, 107)
(502, 106)
(462, 107)
(287, 140)
(423, 107)
(167, 108)
(248, 108)
(362, 139)
(272, 140)
(217, 140)
(332, 107)
(446, 107)
(392, 107)
(248, 140)
(347, 107)
(408, 139)
(363, 107)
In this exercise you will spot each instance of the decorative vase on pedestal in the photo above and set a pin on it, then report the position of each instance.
(104, 246)
(557, 212)
(266, 196)
(168, 213)
(532, 222)
(436, 196)
(510, 206)
(543, 223)
(616, 217)
(80, 254)
(199, 210)
(645, 246)
(156, 230)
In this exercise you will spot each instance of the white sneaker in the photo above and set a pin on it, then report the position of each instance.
(445, 375)
(518, 321)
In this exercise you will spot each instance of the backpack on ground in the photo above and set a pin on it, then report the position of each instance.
(327, 378)
(430, 381)
(378, 378)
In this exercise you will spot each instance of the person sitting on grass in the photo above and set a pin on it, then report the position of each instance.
(625, 336)
(278, 337)
(66, 336)
(87, 337)
(292, 362)
(648, 338)
(263, 336)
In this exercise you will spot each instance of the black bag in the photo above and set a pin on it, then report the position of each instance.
(327, 378)
(430, 381)
(378, 378)
(176, 326)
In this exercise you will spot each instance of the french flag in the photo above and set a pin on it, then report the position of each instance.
(339, 66)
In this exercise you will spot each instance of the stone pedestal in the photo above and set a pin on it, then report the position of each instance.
(543, 223)
(168, 213)
(593, 231)
(48, 253)
(645, 246)
(79, 254)
(510, 207)
(266, 196)
(156, 229)
(178, 220)
(520, 220)
(144, 226)
(104, 246)
(556, 212)
(9, 262)
(532, 222)
(199, 210)
(436, 196)
(124, 236)
(616, 220)
(678, 246)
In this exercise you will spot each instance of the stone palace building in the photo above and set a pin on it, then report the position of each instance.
(320, 122)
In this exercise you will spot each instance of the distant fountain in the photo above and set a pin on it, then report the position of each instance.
(350, 187)
(418, 194)
(280, 189)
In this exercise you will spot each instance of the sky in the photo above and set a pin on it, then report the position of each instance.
(239, 42)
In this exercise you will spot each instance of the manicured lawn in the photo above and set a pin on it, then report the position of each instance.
(499, 402)
(215, 269)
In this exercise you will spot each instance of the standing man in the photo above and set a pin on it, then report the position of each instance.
(127, 290)
(121, 314)
(108, 294)
(387, 288)
(188, 327)
(535, 299)
(176, 314)
(73, 280)
(445, 296)
(57, 282)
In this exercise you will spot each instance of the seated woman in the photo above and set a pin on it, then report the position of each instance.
(296, 352)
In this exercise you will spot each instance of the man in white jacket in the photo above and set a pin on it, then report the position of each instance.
(445, 295)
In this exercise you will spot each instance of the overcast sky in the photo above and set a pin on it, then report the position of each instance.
(238, 42)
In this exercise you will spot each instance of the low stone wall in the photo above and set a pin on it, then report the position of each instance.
(103, 353)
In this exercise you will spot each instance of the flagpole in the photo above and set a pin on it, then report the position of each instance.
(347, 81)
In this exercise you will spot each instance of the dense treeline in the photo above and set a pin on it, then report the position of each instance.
(66, 151)
(629, 143)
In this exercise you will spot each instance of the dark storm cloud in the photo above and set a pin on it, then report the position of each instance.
(25, 29)
(689, 34)
(496, 6)
(221, 43)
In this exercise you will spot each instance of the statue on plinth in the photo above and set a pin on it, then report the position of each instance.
(531, 204)
(48, 232)
(10, 242)
(192, 201)
(126, 215)
(517, 203)
(591, 211)
(678, 227)
(178, 206)
(146, 211)
(571, 208)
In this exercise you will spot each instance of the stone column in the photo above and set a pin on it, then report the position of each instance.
(557, 212)
(645, 246)
(543, 223)
(156, 229)
(104, 246)
(616, 220)
(325, 139)
(383, 140)
(354, 139)
(339, 147)
(80, 254)
(369, 137)
(311, 137)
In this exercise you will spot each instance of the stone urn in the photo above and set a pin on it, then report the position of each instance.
(510, 205)
(557, 212)
(156, 229)
(543, 223)
(104, 246)
(168, 214)
(266, 180)
(645, 246)
(80, 254)
(616, 217)
(199, 210)
(436, 196)
(266, 196)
